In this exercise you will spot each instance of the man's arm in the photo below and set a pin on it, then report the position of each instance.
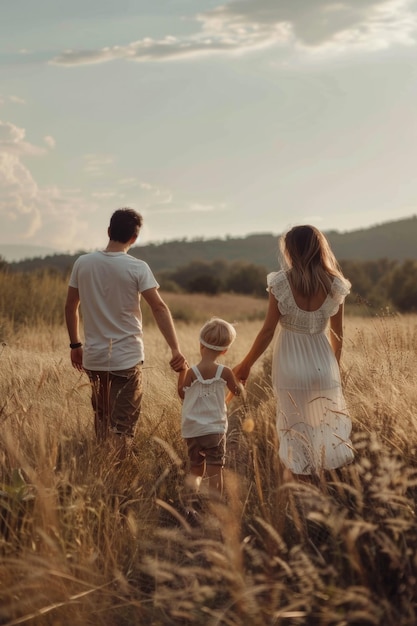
(165, 323)
(72, 319)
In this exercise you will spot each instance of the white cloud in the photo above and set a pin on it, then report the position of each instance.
(311, 219)
(39, 215)
(50, 141)
(11, 98)
(148, 193)
(46, 216)
(172, 48)
(97, 164)
(17, 100)
(100, 195)
(67, 218)
(158, 194)
(146, 186)
(197, 207)
(18, 190)
(389, 23)
(11, 134)
(186, 208)
(242, 26)
(154, 199)
(128, 182)
(12, 141)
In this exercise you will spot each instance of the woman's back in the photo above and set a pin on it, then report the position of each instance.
(304, 314)
(308, 302)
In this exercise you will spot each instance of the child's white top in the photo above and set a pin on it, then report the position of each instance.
(204, 410)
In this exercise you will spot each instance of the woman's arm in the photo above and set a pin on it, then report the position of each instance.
(262, 340)
(336, 332)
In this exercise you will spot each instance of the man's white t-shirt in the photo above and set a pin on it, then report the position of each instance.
(109, 286)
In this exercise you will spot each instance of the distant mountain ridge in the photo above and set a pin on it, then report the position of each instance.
(15, 253)
(395, 240)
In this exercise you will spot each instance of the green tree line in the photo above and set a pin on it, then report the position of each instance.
(378, 284)
(27, 298)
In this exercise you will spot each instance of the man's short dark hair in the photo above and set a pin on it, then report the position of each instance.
(124, 224)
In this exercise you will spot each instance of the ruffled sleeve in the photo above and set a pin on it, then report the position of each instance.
(340, 289)
(278, 285)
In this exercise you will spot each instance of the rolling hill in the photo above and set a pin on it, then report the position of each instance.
(395, 240)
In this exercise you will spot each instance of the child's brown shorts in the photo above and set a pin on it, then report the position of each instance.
(210, 449)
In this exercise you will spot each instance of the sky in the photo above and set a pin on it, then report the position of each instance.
(212, 119)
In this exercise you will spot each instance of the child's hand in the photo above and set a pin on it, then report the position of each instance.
(229, 397)
(182, 376)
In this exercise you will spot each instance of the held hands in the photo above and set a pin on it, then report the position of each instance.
(178, 361)
(242, 371)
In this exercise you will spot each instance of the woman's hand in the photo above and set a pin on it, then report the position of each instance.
(242, 371)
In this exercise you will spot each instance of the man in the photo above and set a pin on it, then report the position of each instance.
(108, 285)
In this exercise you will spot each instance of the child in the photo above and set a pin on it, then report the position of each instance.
(204, 414)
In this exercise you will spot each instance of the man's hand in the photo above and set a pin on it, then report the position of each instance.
(77, 359)
(178, 361)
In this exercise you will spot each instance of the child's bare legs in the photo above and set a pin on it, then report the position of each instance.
(193, 480)
(214, 474)
(207, 455)
(204, 480)
(214, 453)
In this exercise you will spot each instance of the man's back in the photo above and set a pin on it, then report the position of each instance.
(109, 285)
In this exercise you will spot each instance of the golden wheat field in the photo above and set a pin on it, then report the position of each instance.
(88, 540)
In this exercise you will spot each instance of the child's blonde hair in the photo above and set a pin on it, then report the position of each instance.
(217, 334)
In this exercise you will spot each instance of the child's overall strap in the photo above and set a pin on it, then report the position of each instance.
(199, 377)
(197, 373)
(219, 371)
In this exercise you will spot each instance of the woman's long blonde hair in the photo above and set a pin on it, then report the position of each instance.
(309, 260)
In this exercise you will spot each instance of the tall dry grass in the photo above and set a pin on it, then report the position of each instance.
(88, 539)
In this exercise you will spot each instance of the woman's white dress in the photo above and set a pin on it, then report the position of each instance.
(312, 420)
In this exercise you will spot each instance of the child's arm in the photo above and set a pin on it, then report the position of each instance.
(184, 379)
(234, 386)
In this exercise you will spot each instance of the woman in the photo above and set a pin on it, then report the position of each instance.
(312, 422)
